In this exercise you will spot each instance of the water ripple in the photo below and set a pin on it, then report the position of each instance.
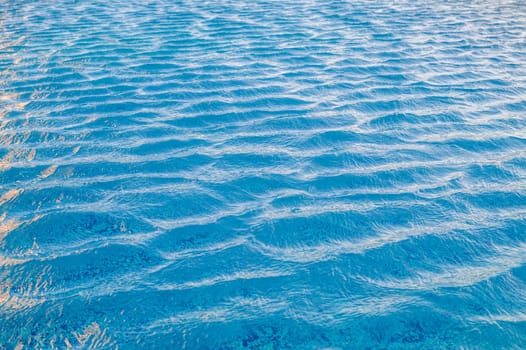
(265, 174)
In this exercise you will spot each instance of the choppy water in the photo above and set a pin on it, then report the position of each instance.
(262, 174)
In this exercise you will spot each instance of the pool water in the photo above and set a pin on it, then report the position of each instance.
(292, 174)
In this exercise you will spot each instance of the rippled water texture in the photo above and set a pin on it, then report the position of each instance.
(292, 174)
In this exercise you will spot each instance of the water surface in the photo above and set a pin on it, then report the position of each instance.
(262, 174)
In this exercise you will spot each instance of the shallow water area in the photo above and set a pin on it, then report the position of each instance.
(262, 175)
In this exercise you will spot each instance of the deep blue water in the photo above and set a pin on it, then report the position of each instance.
(292, 174)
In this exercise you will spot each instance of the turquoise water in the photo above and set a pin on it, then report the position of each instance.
(262, 174)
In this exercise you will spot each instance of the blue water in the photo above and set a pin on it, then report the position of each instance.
(292, 174)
